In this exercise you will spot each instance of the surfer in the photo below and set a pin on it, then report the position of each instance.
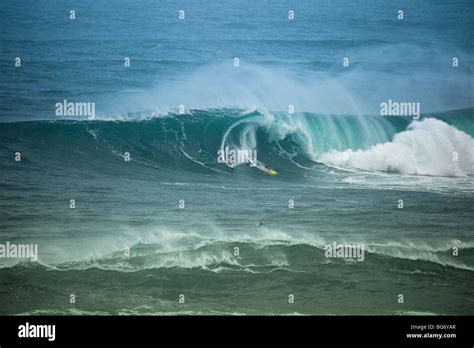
(260, 224)
(268, 169)
(230, 164)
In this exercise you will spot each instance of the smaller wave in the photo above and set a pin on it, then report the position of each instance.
(210, 255)
(427, 147)
(265, 252)
(419, 255)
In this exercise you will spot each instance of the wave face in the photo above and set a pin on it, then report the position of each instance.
(192, 141)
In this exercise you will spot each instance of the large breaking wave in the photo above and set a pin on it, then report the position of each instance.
(191, 141)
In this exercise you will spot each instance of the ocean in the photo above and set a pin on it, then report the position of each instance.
(132, 212)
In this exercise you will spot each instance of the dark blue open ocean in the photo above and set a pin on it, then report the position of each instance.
(173, 221)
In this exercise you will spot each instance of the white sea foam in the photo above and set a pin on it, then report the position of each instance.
(427, 147)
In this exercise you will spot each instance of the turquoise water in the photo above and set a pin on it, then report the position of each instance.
(131, 247)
